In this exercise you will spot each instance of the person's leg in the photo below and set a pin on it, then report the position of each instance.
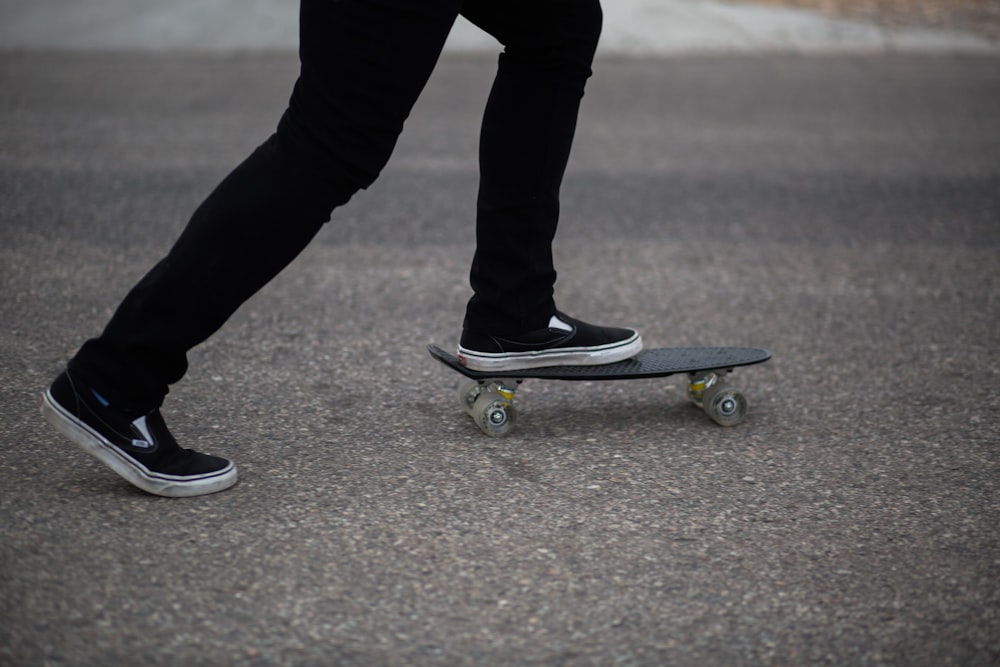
(363, 65)
(364, 62)
(527, 133)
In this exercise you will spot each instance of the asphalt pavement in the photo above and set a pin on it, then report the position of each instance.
(839, 206)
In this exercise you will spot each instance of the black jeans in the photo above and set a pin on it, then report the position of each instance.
(363, 64)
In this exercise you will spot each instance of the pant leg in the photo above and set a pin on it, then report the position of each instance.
(527, 133)
(363, 64)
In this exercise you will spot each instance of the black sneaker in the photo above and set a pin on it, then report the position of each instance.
(565, 342)
(137, 447)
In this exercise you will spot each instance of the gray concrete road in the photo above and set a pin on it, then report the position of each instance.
(841, 211)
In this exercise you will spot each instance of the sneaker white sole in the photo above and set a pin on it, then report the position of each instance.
(573, 356)
(134, 472)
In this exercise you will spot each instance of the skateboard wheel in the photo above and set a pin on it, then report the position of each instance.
(468, 392)
(494, 414)
(726, 407)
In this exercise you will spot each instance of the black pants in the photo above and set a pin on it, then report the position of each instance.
(363, 64)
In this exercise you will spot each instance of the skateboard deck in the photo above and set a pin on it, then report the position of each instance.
(487, 396)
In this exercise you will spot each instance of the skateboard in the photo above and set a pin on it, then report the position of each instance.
(488, 396)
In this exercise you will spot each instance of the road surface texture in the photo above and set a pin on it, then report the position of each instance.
(840, 209)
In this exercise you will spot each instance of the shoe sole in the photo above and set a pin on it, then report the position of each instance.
(580, 356)
(92, 442)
